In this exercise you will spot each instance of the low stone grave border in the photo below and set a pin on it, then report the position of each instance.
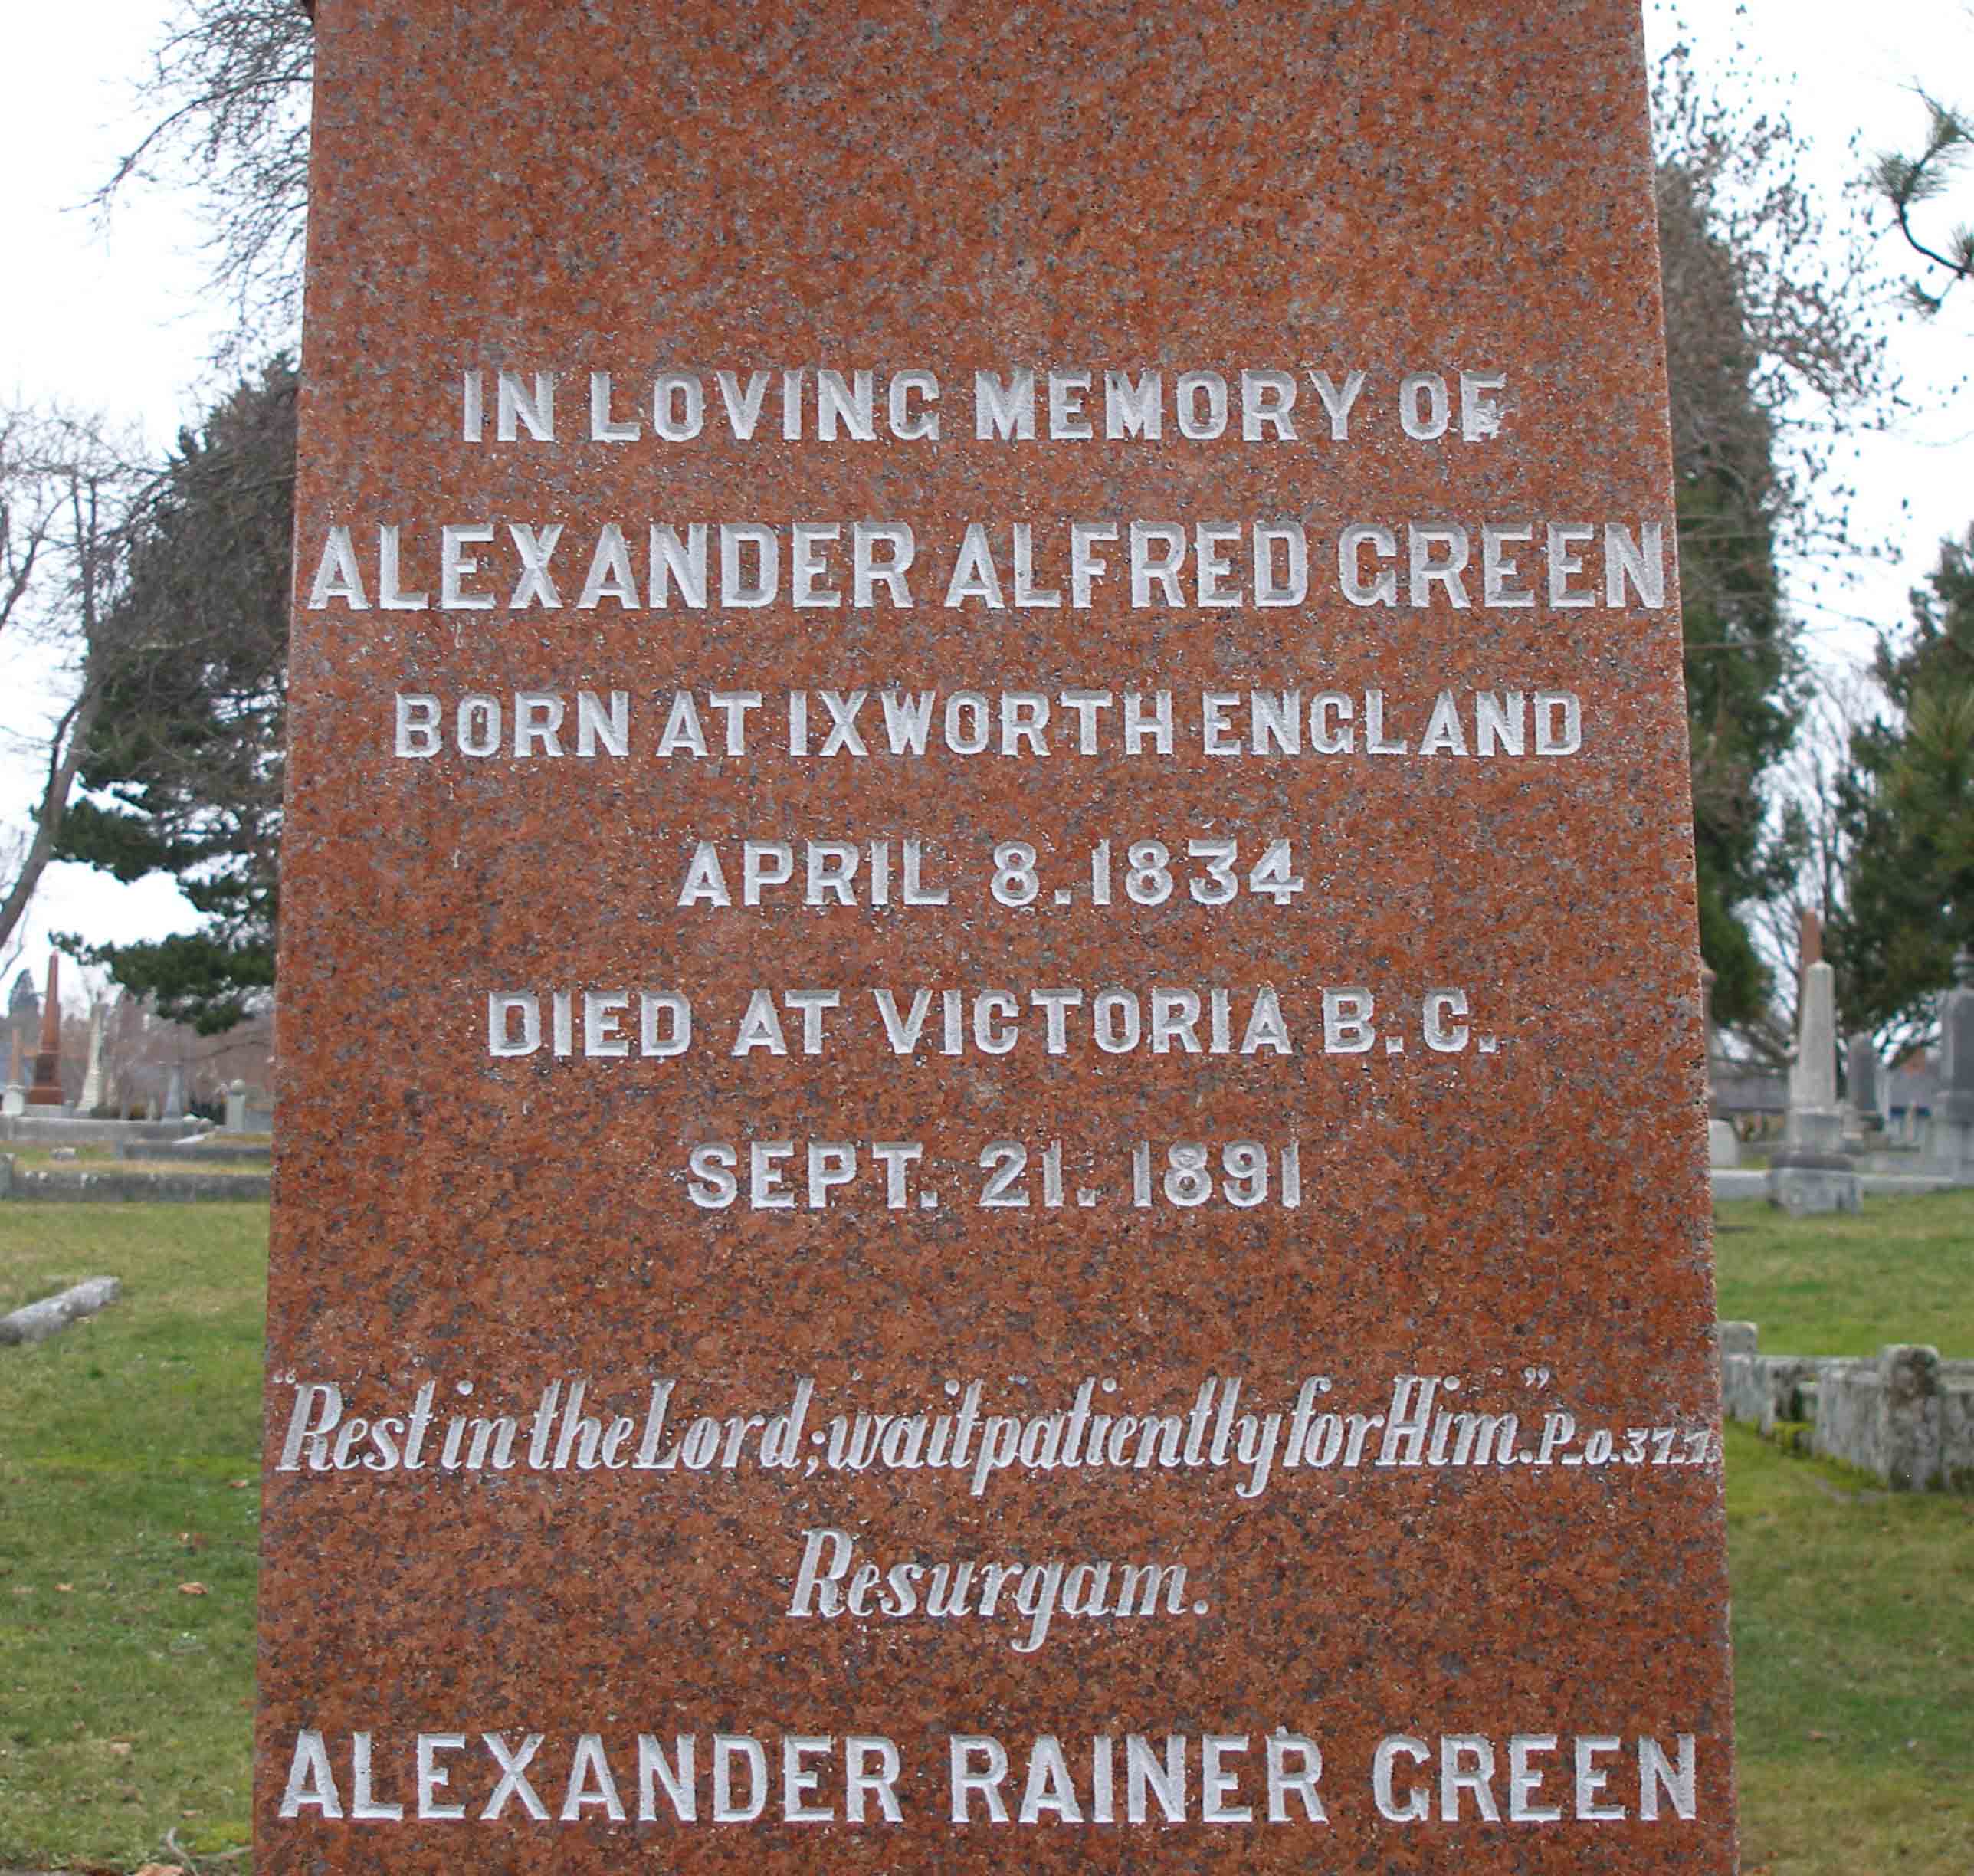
(1904, 1416)
(87, 1187)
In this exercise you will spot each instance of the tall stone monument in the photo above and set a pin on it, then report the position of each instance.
(1815, 1119)
(993, 1138)
(45, 1090)
(1811, 1172)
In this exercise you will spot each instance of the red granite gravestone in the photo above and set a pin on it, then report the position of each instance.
(45, 1089)
(992, 1153)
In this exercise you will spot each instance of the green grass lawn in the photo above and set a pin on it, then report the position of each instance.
(1901, 1270)
(126, 1704)
(1854, 1669)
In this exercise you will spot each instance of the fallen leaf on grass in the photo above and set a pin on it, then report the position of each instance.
(65, 1588)
(188, 1589)
(237, 1484)
(121, 1748)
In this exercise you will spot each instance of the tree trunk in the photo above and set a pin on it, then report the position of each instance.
(71, 738)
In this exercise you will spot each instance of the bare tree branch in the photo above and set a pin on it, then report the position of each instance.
(235, 76)
(67, 498)
(71, 733)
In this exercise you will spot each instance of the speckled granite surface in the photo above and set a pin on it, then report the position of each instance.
(1328, 1154)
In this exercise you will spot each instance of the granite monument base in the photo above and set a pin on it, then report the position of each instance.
(1803, 1183)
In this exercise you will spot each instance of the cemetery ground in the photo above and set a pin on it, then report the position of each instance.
(129, 1447)
(103, 1159)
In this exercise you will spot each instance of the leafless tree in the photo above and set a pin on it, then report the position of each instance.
(1776, 306)
(233, 78)
(68, 494)
(1775, 347)
(1812, 836)
(13, 851)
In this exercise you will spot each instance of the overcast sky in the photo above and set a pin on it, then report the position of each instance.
(115, 318)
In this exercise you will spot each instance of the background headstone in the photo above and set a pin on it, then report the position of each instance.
(45, 1089)
(1863, 1087)
(91, 1096)
(1262, 1018)
(1724, 1143)
(1950, 1130)
(1810, 1172)
(1911, 1090)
